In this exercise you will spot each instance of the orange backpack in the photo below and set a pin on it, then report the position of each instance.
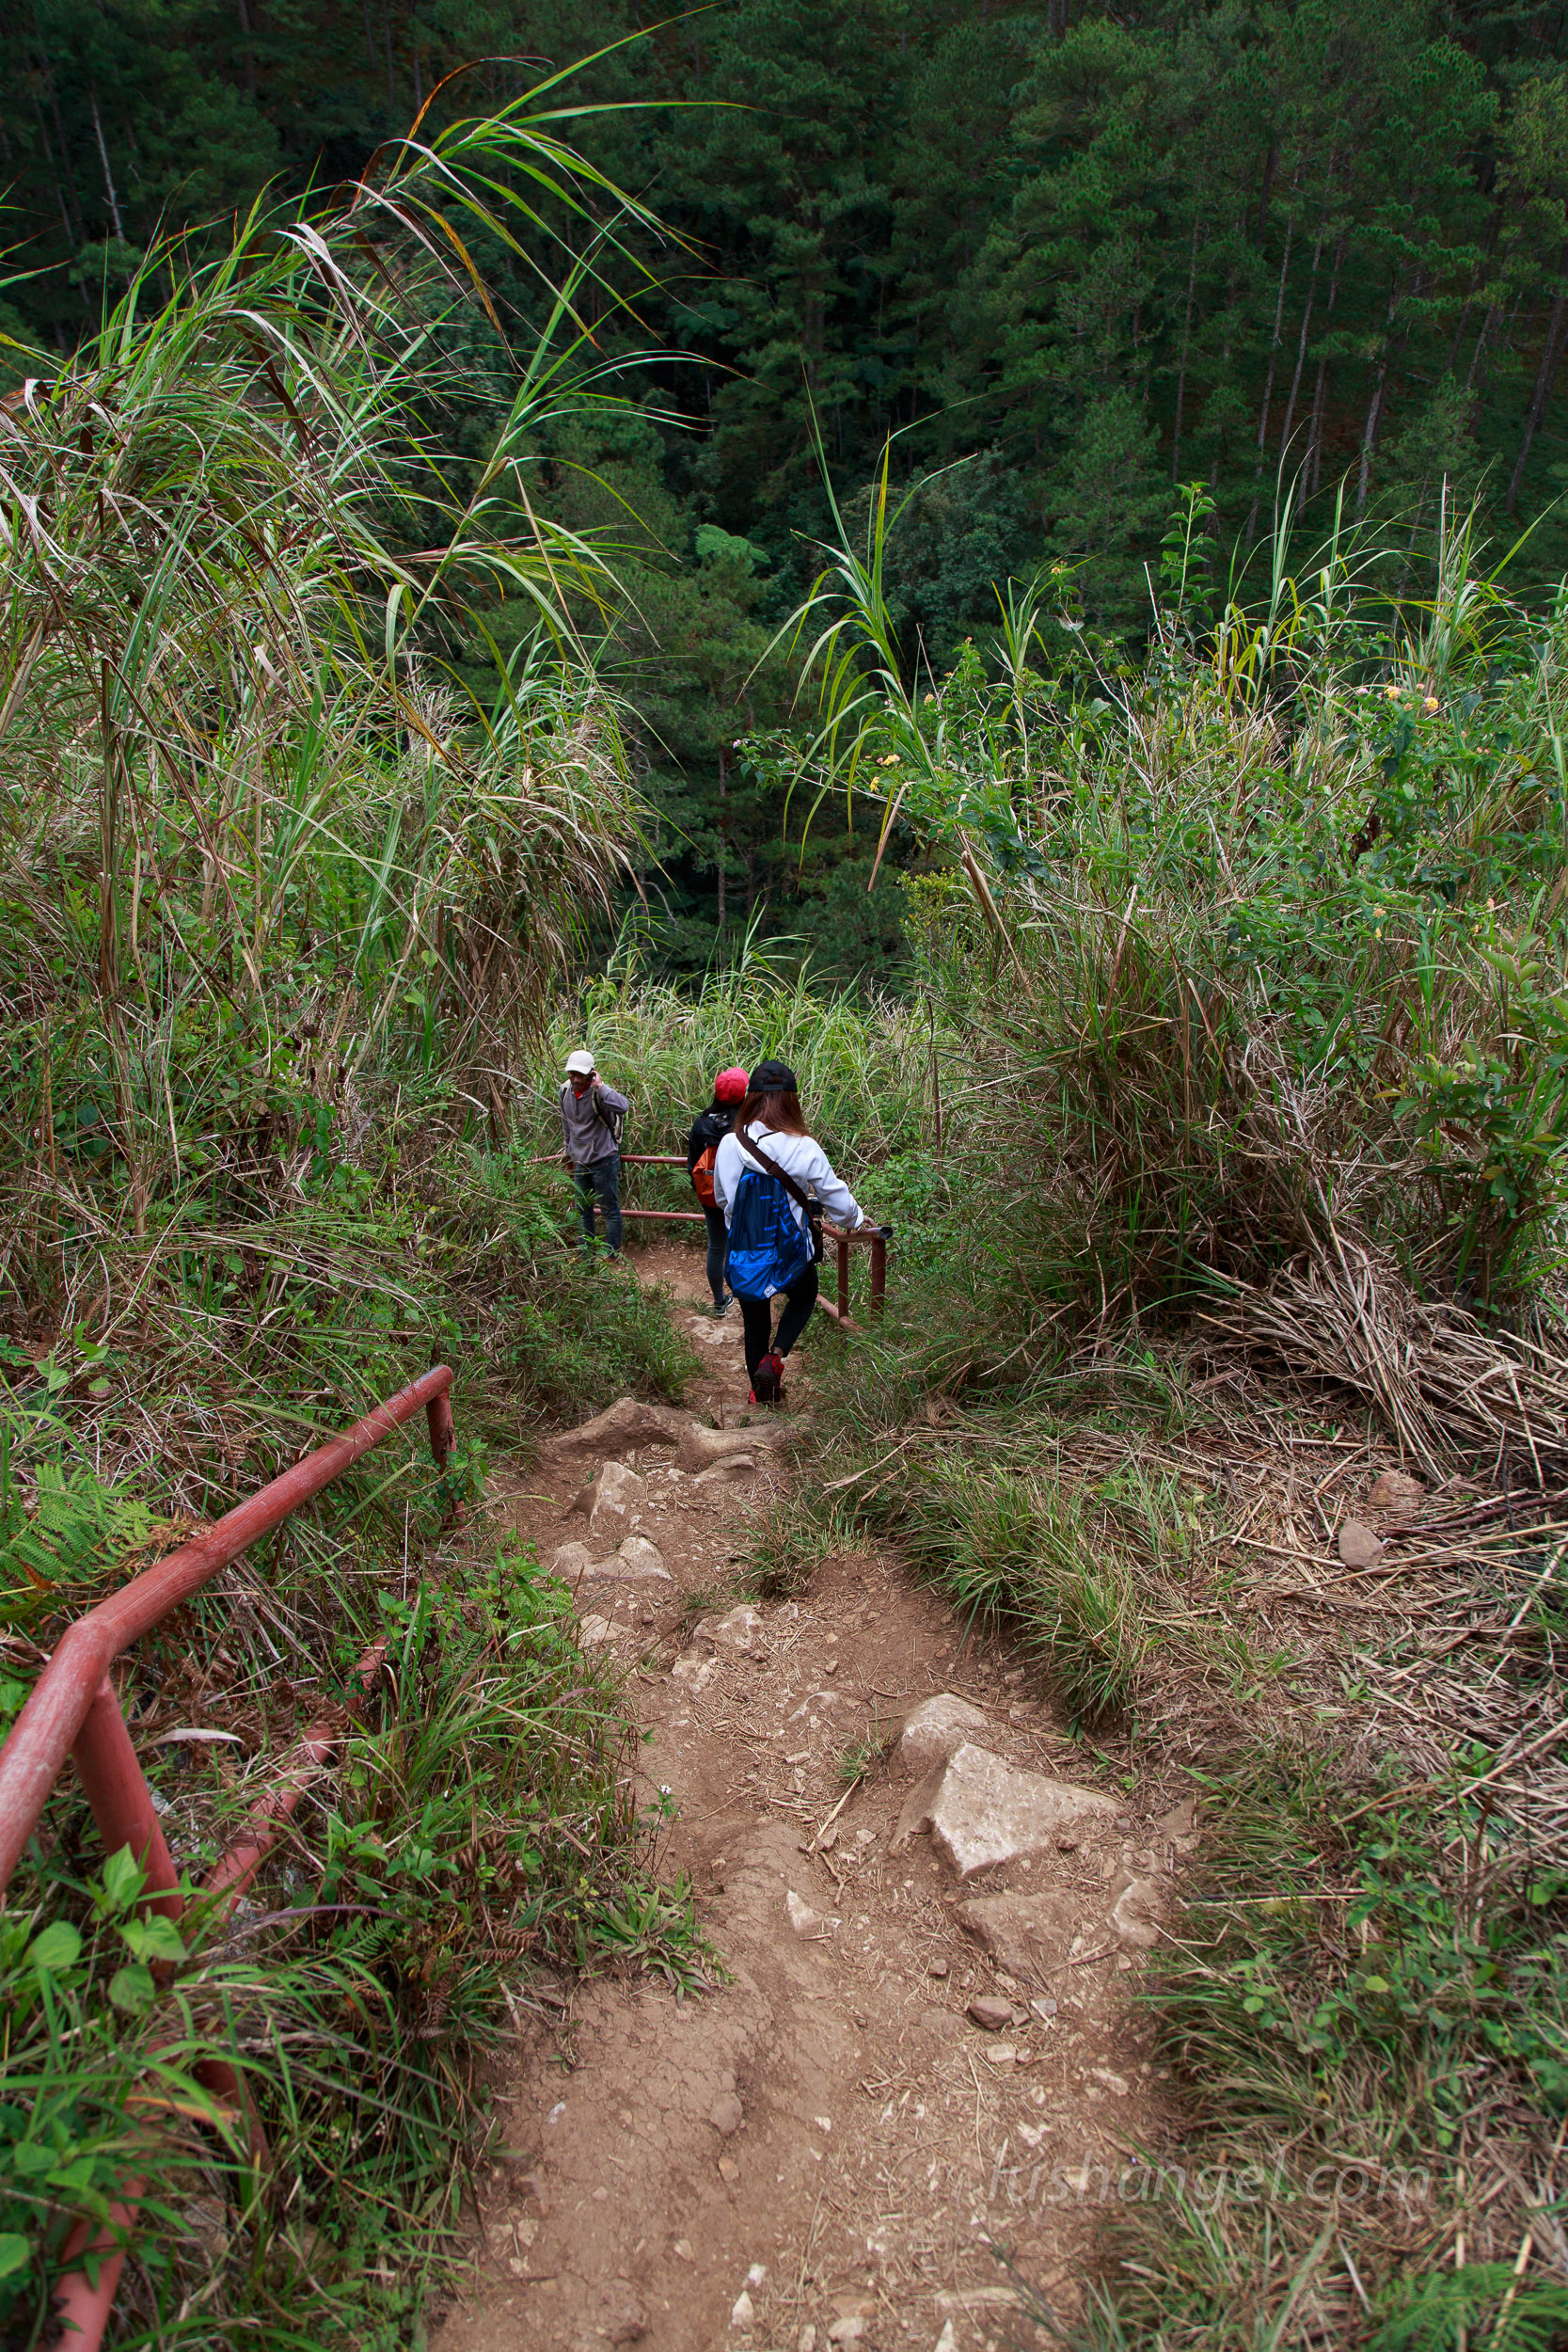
(702, 1177)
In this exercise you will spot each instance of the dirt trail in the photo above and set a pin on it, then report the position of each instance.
(817, 2152)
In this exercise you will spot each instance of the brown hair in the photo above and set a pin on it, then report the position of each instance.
(780, 1112)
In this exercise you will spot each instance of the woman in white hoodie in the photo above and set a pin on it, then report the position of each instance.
(764, 1172)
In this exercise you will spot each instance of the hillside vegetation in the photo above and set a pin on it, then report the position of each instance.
(1069, 257)
(1218, 1091)
(278, 906)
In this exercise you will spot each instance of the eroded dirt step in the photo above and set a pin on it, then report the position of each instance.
(817, 2152)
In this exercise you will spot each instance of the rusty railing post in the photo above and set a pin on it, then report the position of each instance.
(841, 1245)
(878, 1272)
(438, 1413)
(115, 1786)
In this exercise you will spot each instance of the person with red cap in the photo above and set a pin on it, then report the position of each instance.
(709, 1130)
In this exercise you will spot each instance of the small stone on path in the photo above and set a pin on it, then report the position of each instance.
(1395, 1490)
(732, 1467)
(739, 1631)
(1358, 1546)
(699, 1448)
(637, 1557)
(693, 1671)
(1026, 1935)
(991, 2014)
(1135, 1908)
(804, 1919)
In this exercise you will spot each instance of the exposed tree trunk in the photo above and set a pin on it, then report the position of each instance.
(386, 39)
(1305, 321)
(1320, 389)
(1488, 323)
(59, 184)
(108, 175)
(1493, 231)
(1268, 380)
(1186, 346)
(1545, 379)
(1375, 405)
(249, 50)
(723, 828)
(63, 142)
(1369, 432)
(414, 44)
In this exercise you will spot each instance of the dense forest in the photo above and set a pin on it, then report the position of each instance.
(1312, 258)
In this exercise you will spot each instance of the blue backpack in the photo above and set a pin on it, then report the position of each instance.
(767, 1249)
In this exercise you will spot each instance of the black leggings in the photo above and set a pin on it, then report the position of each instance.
(718, 1250)
(756, 1316)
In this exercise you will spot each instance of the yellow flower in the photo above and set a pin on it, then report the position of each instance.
(1431, 703)
(1392, 693)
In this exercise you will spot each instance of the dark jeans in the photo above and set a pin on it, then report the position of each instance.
(756, 1316)
(718, 1250)
(600, 1180)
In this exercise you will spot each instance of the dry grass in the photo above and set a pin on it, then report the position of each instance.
(1449, 1387)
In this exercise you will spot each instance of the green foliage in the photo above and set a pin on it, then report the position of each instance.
(280, 906)
(453, 1837)
(1264, 939)
(590, 1333)
(1483, 2303)
(1065, 264)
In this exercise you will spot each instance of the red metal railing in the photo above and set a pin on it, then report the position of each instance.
(73, 1710)
(873, 1240)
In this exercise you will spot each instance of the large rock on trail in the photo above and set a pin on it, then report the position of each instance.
(700, 1448)
(934, 1728)
(1028, 1935)
(981, 1811)
(621, 1426)
(619, 1500)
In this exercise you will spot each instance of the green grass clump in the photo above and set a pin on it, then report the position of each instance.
(590, 1332)
(479, 1827)
(1349, 2010)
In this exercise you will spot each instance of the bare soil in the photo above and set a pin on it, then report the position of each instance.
(824, 2149)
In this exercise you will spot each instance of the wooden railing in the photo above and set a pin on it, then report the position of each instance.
(871, 1237)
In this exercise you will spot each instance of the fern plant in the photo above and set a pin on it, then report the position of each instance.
(1483, 2306)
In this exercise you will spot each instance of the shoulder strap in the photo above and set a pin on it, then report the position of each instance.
(770, 1168)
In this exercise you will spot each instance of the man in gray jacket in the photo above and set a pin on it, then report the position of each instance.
(591, 1116)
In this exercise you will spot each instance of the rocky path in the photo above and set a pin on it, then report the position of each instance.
(923, 2048)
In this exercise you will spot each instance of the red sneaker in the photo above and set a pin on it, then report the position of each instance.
(768, 1386)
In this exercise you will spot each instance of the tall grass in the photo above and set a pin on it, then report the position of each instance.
(1262, 939)
(1237, 957)
(279, 907)
(865, 1078)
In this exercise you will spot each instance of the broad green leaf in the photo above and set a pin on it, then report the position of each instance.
(132, 1989)
(58, 1946)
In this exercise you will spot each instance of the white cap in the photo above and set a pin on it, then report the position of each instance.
(580, 1064)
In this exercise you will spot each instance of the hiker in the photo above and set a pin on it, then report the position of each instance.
(592, 1115)
(764, 1173)
(709, 1130)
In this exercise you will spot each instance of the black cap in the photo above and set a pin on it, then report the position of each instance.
(772, 1077)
